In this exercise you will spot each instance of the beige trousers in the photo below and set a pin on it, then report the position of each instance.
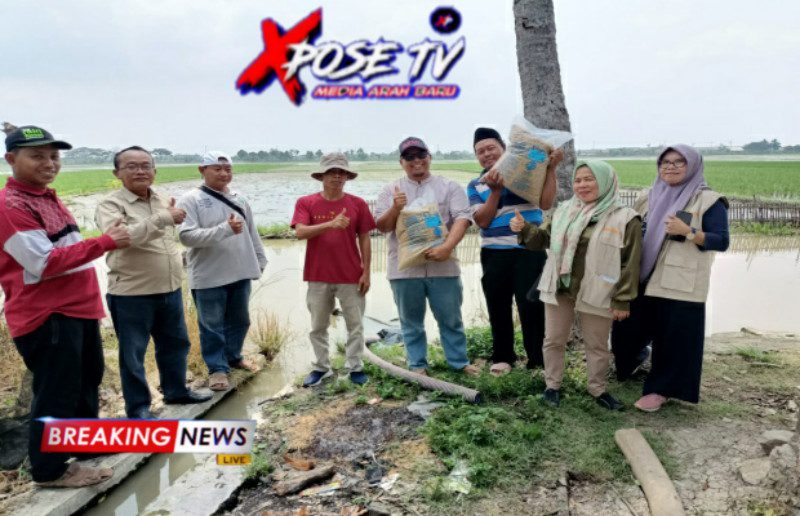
(595, 329)
(320, 301)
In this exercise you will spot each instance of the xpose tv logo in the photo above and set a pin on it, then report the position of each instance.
(347, 71)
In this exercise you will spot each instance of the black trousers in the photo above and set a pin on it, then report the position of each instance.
(630, 336)
(65, 355)
(676, 330)
(509, 274)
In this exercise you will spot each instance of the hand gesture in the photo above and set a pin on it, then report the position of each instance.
(236, 225)
(438, 254)
(493, 180)
(120, 234)
(556, 156)
(399, 199)
(517, 222)
(619, 315)
(177, 214)
(676, 226)
(341, 221)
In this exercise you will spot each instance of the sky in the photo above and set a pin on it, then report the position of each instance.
(162, 73)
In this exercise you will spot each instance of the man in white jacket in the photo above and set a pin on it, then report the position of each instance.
(224, 255)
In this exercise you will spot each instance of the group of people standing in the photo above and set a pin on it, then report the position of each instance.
(640, 274)
(52, 297)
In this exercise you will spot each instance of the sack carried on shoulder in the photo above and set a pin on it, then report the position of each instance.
(523, 166)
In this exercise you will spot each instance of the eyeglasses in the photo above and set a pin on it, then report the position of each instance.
(678, 163)
(411, 156)
(133, 167)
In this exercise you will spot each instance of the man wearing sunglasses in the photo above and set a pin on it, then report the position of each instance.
(438, 279)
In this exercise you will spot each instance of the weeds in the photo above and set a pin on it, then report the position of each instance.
(757, 356)
(260, 467)
(276, 231)
(761, 228)
(269, 334)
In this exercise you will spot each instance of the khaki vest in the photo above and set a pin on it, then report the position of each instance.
(682, 270)
(603, 264)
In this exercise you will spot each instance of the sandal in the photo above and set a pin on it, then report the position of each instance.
(500, 368)
(471, 370)
(218, 381)
(650, 402)
(420, 371)
(79, 476)
(246, 365)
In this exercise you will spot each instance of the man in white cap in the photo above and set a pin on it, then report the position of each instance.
(337, 226)
(225, 254)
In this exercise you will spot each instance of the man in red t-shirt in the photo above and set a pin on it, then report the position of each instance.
(338, 254)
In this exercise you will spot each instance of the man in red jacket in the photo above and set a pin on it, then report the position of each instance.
(52, 299)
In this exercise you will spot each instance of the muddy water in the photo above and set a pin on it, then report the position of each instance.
(755, 284)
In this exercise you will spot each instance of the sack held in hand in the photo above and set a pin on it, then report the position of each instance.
(419, 228)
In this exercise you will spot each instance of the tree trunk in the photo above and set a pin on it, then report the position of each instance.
(540, 76)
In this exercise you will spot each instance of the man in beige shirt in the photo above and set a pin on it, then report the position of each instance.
(144, 284)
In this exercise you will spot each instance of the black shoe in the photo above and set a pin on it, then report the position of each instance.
(609, 402)
(188, 398)
(142, 413)
(552, 397)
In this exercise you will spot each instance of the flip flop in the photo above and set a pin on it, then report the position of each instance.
(246, 365)
(471, 370)
(500, 368)
(218, 381)
(80, 476)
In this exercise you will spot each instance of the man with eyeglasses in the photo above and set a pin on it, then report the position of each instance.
(438, 280)
(52, 298)
(144, 284)
(225, 254)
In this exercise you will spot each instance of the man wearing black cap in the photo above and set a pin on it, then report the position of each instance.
(438, 279)
(509, 270)
(52, 303)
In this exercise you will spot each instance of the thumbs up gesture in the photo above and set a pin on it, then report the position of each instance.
(399, 199)
(341, 221)
(236, 225)
(119, 232)
(517, 222)
(177, 214)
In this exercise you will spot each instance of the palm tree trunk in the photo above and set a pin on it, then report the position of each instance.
(540, 76)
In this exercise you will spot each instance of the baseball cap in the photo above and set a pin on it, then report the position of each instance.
(32, 136)
(331, 161)
(412, 141)
(213, 157)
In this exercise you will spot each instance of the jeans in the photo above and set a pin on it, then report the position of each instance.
(320, 300)
(223, 317)
(445, 297)
(136, 319)
(65, 355)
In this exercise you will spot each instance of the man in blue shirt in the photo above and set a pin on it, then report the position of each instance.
(509, 270)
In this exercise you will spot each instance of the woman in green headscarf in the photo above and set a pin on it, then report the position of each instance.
(594, 245)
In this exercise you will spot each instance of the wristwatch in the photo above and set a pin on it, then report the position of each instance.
(690, 236)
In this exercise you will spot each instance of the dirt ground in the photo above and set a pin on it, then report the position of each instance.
(363, 441)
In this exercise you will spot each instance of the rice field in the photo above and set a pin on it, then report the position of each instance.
(741, 178)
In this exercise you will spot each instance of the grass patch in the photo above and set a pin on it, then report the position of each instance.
(754, 355)
(269, 334)
(261, 465)
(760, 228)
(276, 231)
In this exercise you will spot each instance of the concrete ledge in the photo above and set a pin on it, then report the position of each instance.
(63, 502)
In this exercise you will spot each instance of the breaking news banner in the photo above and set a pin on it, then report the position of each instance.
(147, 436)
